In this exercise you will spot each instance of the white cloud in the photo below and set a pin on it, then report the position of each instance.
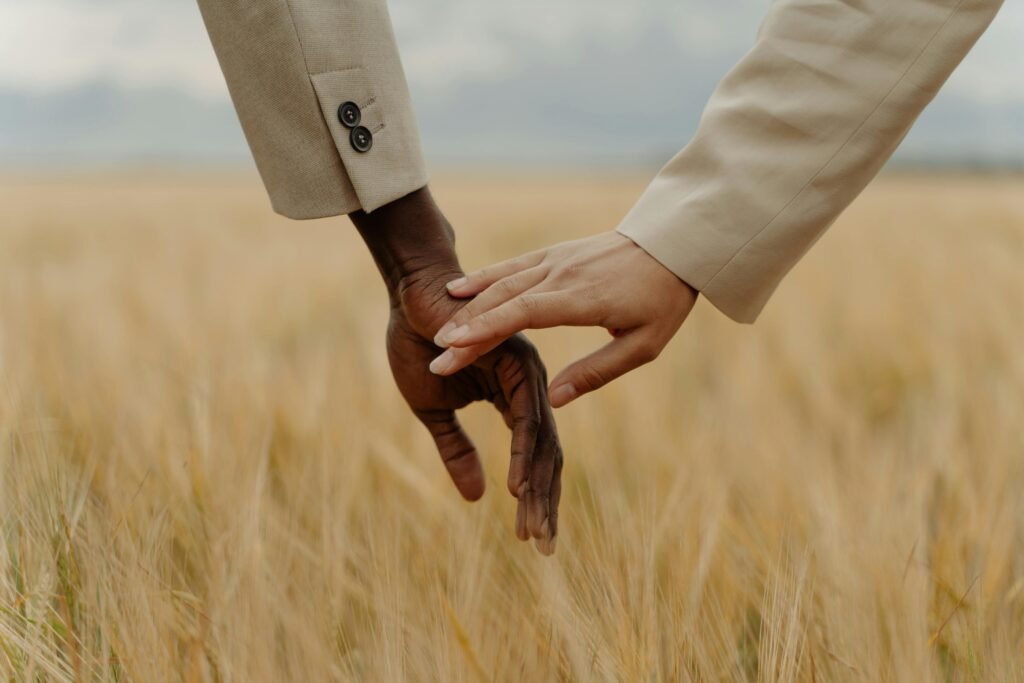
(48, 45)
(993, 73)
(445, 41)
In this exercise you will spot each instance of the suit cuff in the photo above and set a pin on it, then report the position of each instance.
(380, 148)
(697, 264)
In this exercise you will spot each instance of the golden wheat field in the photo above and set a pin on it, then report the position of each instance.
(206, 473)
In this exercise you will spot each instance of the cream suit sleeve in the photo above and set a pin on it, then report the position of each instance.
(793, 134)
(290, 65)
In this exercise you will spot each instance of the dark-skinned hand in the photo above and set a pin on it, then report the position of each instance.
(413, 247)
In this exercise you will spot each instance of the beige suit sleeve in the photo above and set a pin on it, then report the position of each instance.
(289, 65)
(793, 134)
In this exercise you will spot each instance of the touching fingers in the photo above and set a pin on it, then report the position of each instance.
(478, 281)
(536, 463)
(522, 501)
(453, 359)
(525, 419)
(544, 482)
(526, 311)
(547, 541)
(457, 452)
(495, 295)
(556, 499)
(541, 519)
(623, 354)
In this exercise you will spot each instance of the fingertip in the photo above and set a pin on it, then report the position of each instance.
(457, 283)
(467, 474)
(562, 395)
(547, 546)
(516, 481)
(456, 335)
(522, 533)
(463, 288)
(463, 293)
(442, 333)
(443, 364)
(473, 490)
(537, 517)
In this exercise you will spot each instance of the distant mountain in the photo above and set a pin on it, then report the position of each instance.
(102, 123)
(633, 103)
(638, 103)
(620, 104)
(958, 131)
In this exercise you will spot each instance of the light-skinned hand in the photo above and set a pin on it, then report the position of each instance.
(604, 281)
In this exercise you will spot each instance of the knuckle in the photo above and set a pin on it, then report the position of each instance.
(591, 378)
(527, 304)
(484, 321)
(529, 423)
(552, 445)
(566, 272)
(506, 287)
(455, 458)
(573, 270)
(528, 356)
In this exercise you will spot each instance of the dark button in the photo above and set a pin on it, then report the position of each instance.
(350, 115)
(361, 138)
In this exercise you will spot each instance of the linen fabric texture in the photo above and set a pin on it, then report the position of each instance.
(789, 139)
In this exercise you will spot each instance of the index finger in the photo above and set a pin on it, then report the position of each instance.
(545, 484)
(457, 452)
(479, 280)
(530, 311)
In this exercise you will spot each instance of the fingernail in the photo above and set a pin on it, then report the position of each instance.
(442, 363)
(456, 284)
(546, 546)
(522, 533)
(547, 541)
(441, 333)
(455, 335)
(563, 395)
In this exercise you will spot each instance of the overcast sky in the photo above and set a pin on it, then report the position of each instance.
(564, 55)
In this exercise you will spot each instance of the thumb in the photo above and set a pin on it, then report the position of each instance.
(457, 452)
(626, 352)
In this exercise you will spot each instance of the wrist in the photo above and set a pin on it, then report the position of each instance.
(410, 241)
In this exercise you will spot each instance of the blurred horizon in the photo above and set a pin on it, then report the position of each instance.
(493, 85)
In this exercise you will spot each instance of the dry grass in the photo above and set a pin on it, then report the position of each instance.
(207, 474)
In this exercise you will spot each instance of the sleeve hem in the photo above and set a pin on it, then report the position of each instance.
(744, 312)
(393, 166)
